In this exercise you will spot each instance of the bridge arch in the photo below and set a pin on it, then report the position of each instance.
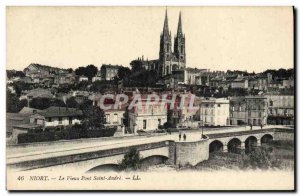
(105, 168)
(267, 138)
(153, 160)
(215, 146)
(234, 145)
(250, 143)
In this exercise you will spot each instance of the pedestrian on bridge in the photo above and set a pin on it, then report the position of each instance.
(261, 126)
(179, 136)
(250, 126)
(184, 137)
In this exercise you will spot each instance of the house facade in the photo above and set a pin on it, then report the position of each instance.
(248, 110)
(148, 117)
(214, 112)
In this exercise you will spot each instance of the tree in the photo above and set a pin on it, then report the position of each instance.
(93, 116)
(88, 71)
(123, 72)
(13, 104)
(136, 65)
(91, 71)
(131, 160)
(21, 86)
(40, 103)
(72, 103)
(80, 71)
(12, 74)
(70, 70)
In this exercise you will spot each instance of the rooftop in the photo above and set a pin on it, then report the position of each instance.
(60, 112)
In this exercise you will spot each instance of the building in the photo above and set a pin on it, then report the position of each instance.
(83, 78)
(192, 76)
(148, 117)
(96, 78)
(214, 111)
(29, 119)
(42, 71)
(170, 59)
(239, 83)
(281, 109)
(248, 110)
(108, 72)
(56, 116)
(36, 93)
(259, 82)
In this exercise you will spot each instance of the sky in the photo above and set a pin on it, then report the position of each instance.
(217, 38)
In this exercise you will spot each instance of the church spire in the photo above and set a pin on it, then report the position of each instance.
(179, 28)
(166, 27)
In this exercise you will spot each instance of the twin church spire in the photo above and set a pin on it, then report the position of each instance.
(166, 25)
(172, 60)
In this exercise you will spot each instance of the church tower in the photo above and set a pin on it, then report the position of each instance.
(179, 45)
(165, 52)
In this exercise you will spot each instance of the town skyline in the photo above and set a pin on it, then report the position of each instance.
(146, 43)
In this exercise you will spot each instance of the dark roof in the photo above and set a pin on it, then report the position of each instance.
(60, 112)
(27, 110)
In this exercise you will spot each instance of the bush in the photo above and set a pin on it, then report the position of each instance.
(260, 158)
(131, 160)
(67, 134)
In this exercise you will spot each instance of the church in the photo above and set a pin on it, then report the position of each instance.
(170, 59)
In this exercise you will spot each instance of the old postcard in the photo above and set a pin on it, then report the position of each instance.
(150, 98)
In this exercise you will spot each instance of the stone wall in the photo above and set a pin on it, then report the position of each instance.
(283, 135)
(191, 152)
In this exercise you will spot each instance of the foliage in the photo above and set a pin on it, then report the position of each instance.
(72, 103)
(40, 103)
(74, 132)
(13, 104)
(123, 72)
(21, 86)
(131, 160)
(88, 71)
(11, 74)
(93, 116)
(136, 65)
(280, 73)
(142, 78)
(260, 158)
(168, 125)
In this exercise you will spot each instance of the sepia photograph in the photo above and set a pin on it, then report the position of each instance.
(155, 98)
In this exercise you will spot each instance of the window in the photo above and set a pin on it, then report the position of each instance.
(249, 113)
(167, 47)
(107, 118)
(59, 120)
(181, 48)
(115, 118)
(50, 119)
(144, 124)
(219, 105)
(70, 120)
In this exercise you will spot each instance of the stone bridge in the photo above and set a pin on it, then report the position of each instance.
(237, 141)
(152, 151)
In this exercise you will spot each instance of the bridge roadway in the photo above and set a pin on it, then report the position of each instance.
(38, 151)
